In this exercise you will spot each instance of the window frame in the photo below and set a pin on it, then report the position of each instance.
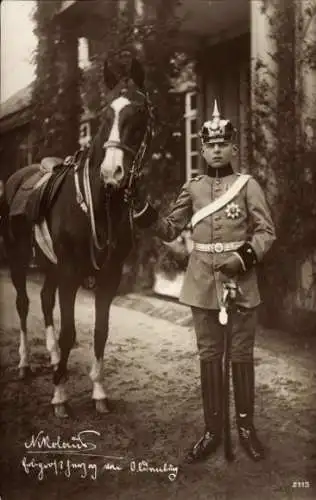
(84, 139)
(84, 53)
(190, 115)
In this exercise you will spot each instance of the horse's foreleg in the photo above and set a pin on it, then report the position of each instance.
(67, 294)
(107, 284)
(48, 296)
(102, 307)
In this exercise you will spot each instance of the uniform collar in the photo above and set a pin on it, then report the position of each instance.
(221, 171)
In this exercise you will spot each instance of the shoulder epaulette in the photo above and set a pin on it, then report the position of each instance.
(243, 173)
(196, 178)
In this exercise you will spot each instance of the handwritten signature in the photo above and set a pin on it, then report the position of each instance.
(42, 442)
(60, 467)
(83, 445)
(144, 466)
(68, 467)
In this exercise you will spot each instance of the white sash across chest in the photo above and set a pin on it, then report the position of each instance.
(220, 202)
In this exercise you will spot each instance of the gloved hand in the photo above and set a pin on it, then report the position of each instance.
(231, 266)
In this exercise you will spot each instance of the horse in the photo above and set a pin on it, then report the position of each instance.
(91, 228)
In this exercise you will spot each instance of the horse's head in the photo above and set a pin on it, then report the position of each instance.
(125, 128)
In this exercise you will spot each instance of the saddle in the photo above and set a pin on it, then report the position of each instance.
(31, 190)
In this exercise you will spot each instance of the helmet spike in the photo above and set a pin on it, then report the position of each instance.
(215, 111)
(217, 129)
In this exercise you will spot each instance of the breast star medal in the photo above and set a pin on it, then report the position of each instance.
(232, 211)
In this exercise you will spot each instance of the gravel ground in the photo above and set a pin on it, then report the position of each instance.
(152, 379)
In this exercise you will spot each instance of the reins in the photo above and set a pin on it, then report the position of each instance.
(135, 172)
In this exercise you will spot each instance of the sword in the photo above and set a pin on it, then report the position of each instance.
(228, 299)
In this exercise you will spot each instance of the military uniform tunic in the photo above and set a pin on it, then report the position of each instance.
(246, 218)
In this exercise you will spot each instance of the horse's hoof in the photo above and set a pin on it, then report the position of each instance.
(101, 406)
(54, 367)
(25, 373)
(61, 411)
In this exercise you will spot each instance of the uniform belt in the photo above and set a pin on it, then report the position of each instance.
(217, 247)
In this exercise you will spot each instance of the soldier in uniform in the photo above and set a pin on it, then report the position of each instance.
(232, 230)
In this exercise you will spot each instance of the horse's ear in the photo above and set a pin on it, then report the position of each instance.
(109, 77)
(137, 73)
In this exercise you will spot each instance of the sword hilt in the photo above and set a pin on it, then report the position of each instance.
(230, 289)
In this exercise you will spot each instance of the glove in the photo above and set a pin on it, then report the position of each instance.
(231, 267)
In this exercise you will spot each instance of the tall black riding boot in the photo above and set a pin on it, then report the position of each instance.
(244, 391)
(212, 395)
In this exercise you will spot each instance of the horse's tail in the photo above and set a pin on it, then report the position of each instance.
(4, 226)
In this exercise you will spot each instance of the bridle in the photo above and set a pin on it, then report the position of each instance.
(86, 202)
(123, 147)
(138, 155)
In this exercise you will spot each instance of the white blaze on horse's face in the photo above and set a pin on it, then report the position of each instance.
(112, 166)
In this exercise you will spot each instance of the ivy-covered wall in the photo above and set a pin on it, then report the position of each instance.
(282, 159)
(56, 94)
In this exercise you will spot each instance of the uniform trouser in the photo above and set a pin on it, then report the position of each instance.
(210, 334)
(210, 340)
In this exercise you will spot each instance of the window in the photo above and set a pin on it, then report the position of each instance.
(139, 8)
(191, 135)
(83, 53)
(84, 134)
(25, 152)
(22, 159)
(122, 5)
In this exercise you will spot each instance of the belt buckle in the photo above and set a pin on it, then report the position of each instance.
(218, 247)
